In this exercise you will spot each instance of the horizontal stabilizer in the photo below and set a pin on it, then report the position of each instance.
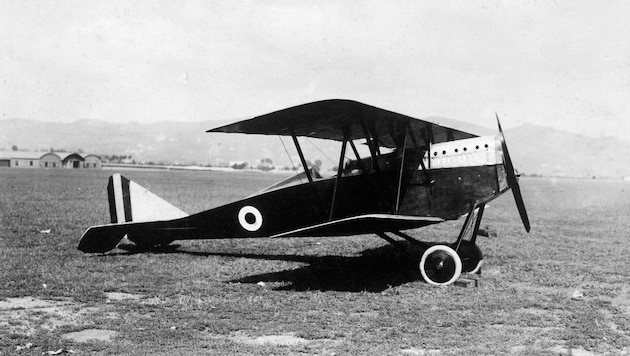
(100, 239)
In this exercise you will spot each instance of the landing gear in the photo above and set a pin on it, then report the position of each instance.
(440, 265)
(471, 257)
(443, 264)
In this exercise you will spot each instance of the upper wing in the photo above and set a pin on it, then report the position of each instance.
(336, 118)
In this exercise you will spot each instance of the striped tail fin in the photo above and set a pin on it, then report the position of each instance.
(128, 201)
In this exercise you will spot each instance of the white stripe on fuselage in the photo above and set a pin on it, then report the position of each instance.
(118, 198)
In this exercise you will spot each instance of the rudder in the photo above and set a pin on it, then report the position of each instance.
(130, 202)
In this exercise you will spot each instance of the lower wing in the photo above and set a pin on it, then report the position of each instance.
(99, 239)
(363, 224)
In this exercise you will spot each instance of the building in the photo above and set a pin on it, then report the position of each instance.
(50, 160)
(92, 161)
(21, 159)
(72, 160)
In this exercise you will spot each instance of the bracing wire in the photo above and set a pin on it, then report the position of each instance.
(320, 151)
(288, 155)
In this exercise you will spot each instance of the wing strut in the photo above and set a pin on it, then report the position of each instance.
(428, 150)
(402, 168)
(339, 173)
(429, 139)
(304, 165)
(370, 143)
(356, 153)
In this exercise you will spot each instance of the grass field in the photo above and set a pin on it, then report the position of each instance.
(563, 289)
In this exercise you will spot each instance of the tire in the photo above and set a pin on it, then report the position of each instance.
(440, 265)
(471, 256)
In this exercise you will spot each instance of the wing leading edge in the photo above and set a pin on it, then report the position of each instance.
(333, 119)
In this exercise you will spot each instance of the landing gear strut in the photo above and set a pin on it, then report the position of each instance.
(468, 251)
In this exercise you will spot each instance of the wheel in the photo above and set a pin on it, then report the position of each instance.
(471, 257)
(440, 265)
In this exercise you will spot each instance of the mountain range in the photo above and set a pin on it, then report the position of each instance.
(535, 150)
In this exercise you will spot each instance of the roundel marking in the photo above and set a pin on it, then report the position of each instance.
(245, 222)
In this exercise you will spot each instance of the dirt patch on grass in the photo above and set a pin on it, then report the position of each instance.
(29, 303)
(282, 340)
(118, 296)
(26, 315)
(90, 335)
(419, 352)
(285, 339)
(113, 297)
(561, 350)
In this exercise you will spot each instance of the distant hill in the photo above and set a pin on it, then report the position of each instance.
(534, 149)
(552, 152)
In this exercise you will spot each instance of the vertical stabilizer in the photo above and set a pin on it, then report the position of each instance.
(128, 201)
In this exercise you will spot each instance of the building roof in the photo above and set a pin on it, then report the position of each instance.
(73, 156)
(61, 155)
(20, 155)
(39, 155)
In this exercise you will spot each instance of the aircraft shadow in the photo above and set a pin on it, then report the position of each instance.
(375, 270)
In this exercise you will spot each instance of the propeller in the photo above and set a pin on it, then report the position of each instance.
(512, 180)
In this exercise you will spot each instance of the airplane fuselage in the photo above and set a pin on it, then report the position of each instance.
(451, 194)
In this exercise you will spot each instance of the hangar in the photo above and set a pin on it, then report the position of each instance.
(70, 160)
(20, 159)
(92, 161)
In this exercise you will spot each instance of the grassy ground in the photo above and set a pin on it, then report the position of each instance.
(562, 289)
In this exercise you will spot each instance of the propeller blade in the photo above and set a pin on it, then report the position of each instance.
(513, 181)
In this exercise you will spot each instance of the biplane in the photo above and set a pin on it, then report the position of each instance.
(412, 173)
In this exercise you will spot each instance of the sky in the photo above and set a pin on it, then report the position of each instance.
(561, 64)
